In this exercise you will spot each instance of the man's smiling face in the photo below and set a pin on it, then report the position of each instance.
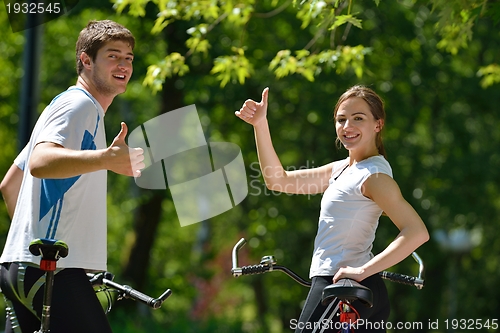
(112, 68)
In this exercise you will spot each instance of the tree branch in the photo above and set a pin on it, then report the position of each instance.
(273, 12)
(210, 27)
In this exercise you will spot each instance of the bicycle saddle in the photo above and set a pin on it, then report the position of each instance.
(348, 290)
(49, 249)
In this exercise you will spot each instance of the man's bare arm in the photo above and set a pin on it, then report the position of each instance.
(10, 186)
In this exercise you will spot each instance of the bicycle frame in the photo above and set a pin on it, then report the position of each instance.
(52, 250)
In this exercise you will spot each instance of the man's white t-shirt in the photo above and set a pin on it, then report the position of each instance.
(348, 220)
(73, 209)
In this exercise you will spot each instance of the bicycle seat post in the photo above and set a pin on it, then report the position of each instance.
(50, 250)
(348, 316)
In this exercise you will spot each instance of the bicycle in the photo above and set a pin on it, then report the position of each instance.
(52, 250)
(346, 290)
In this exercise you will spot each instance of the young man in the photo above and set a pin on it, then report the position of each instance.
(56, 188)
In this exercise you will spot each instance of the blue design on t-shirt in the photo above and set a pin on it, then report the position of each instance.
(53, 190)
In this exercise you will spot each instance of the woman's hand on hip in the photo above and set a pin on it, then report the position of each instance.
(348, 272)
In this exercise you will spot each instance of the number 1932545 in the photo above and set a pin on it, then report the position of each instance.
(471, 324)
(33, 8)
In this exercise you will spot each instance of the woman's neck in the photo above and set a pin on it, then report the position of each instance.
(357, 156)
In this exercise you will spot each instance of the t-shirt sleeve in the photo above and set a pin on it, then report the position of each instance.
(22, 158)
(375, 166)
(71, 121)
(382, 166)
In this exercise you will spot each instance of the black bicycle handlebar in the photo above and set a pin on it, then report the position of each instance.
(263, 268)
(129, 292)
(268, 264)
(417, 281)
(403, 279)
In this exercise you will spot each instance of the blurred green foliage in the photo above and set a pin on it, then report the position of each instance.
(441, 135)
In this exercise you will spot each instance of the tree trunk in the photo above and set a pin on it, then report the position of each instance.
(149, 212)
(146, 223)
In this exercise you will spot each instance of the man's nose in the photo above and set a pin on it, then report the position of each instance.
(124, 64)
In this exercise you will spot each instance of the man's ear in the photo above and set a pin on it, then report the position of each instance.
(380, 125)
(86, 60)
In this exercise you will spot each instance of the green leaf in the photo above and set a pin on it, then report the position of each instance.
(343, 19)
(235, 68)
(173, 64)
(309, 65)
(137, 7)
(490, 74)
(160, 24)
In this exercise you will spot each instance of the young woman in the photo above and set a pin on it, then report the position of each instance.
(356, 191)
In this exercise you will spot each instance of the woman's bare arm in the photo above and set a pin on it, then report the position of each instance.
(302, 181)
(384, 191)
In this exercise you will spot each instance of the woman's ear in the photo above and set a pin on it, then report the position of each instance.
(380, 125)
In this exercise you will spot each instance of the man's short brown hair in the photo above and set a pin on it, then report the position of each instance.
(96, 34)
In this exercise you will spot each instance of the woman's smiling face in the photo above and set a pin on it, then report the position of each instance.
(356, 126)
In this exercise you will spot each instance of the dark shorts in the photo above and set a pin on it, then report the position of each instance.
(74, 307)
(319, 318)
